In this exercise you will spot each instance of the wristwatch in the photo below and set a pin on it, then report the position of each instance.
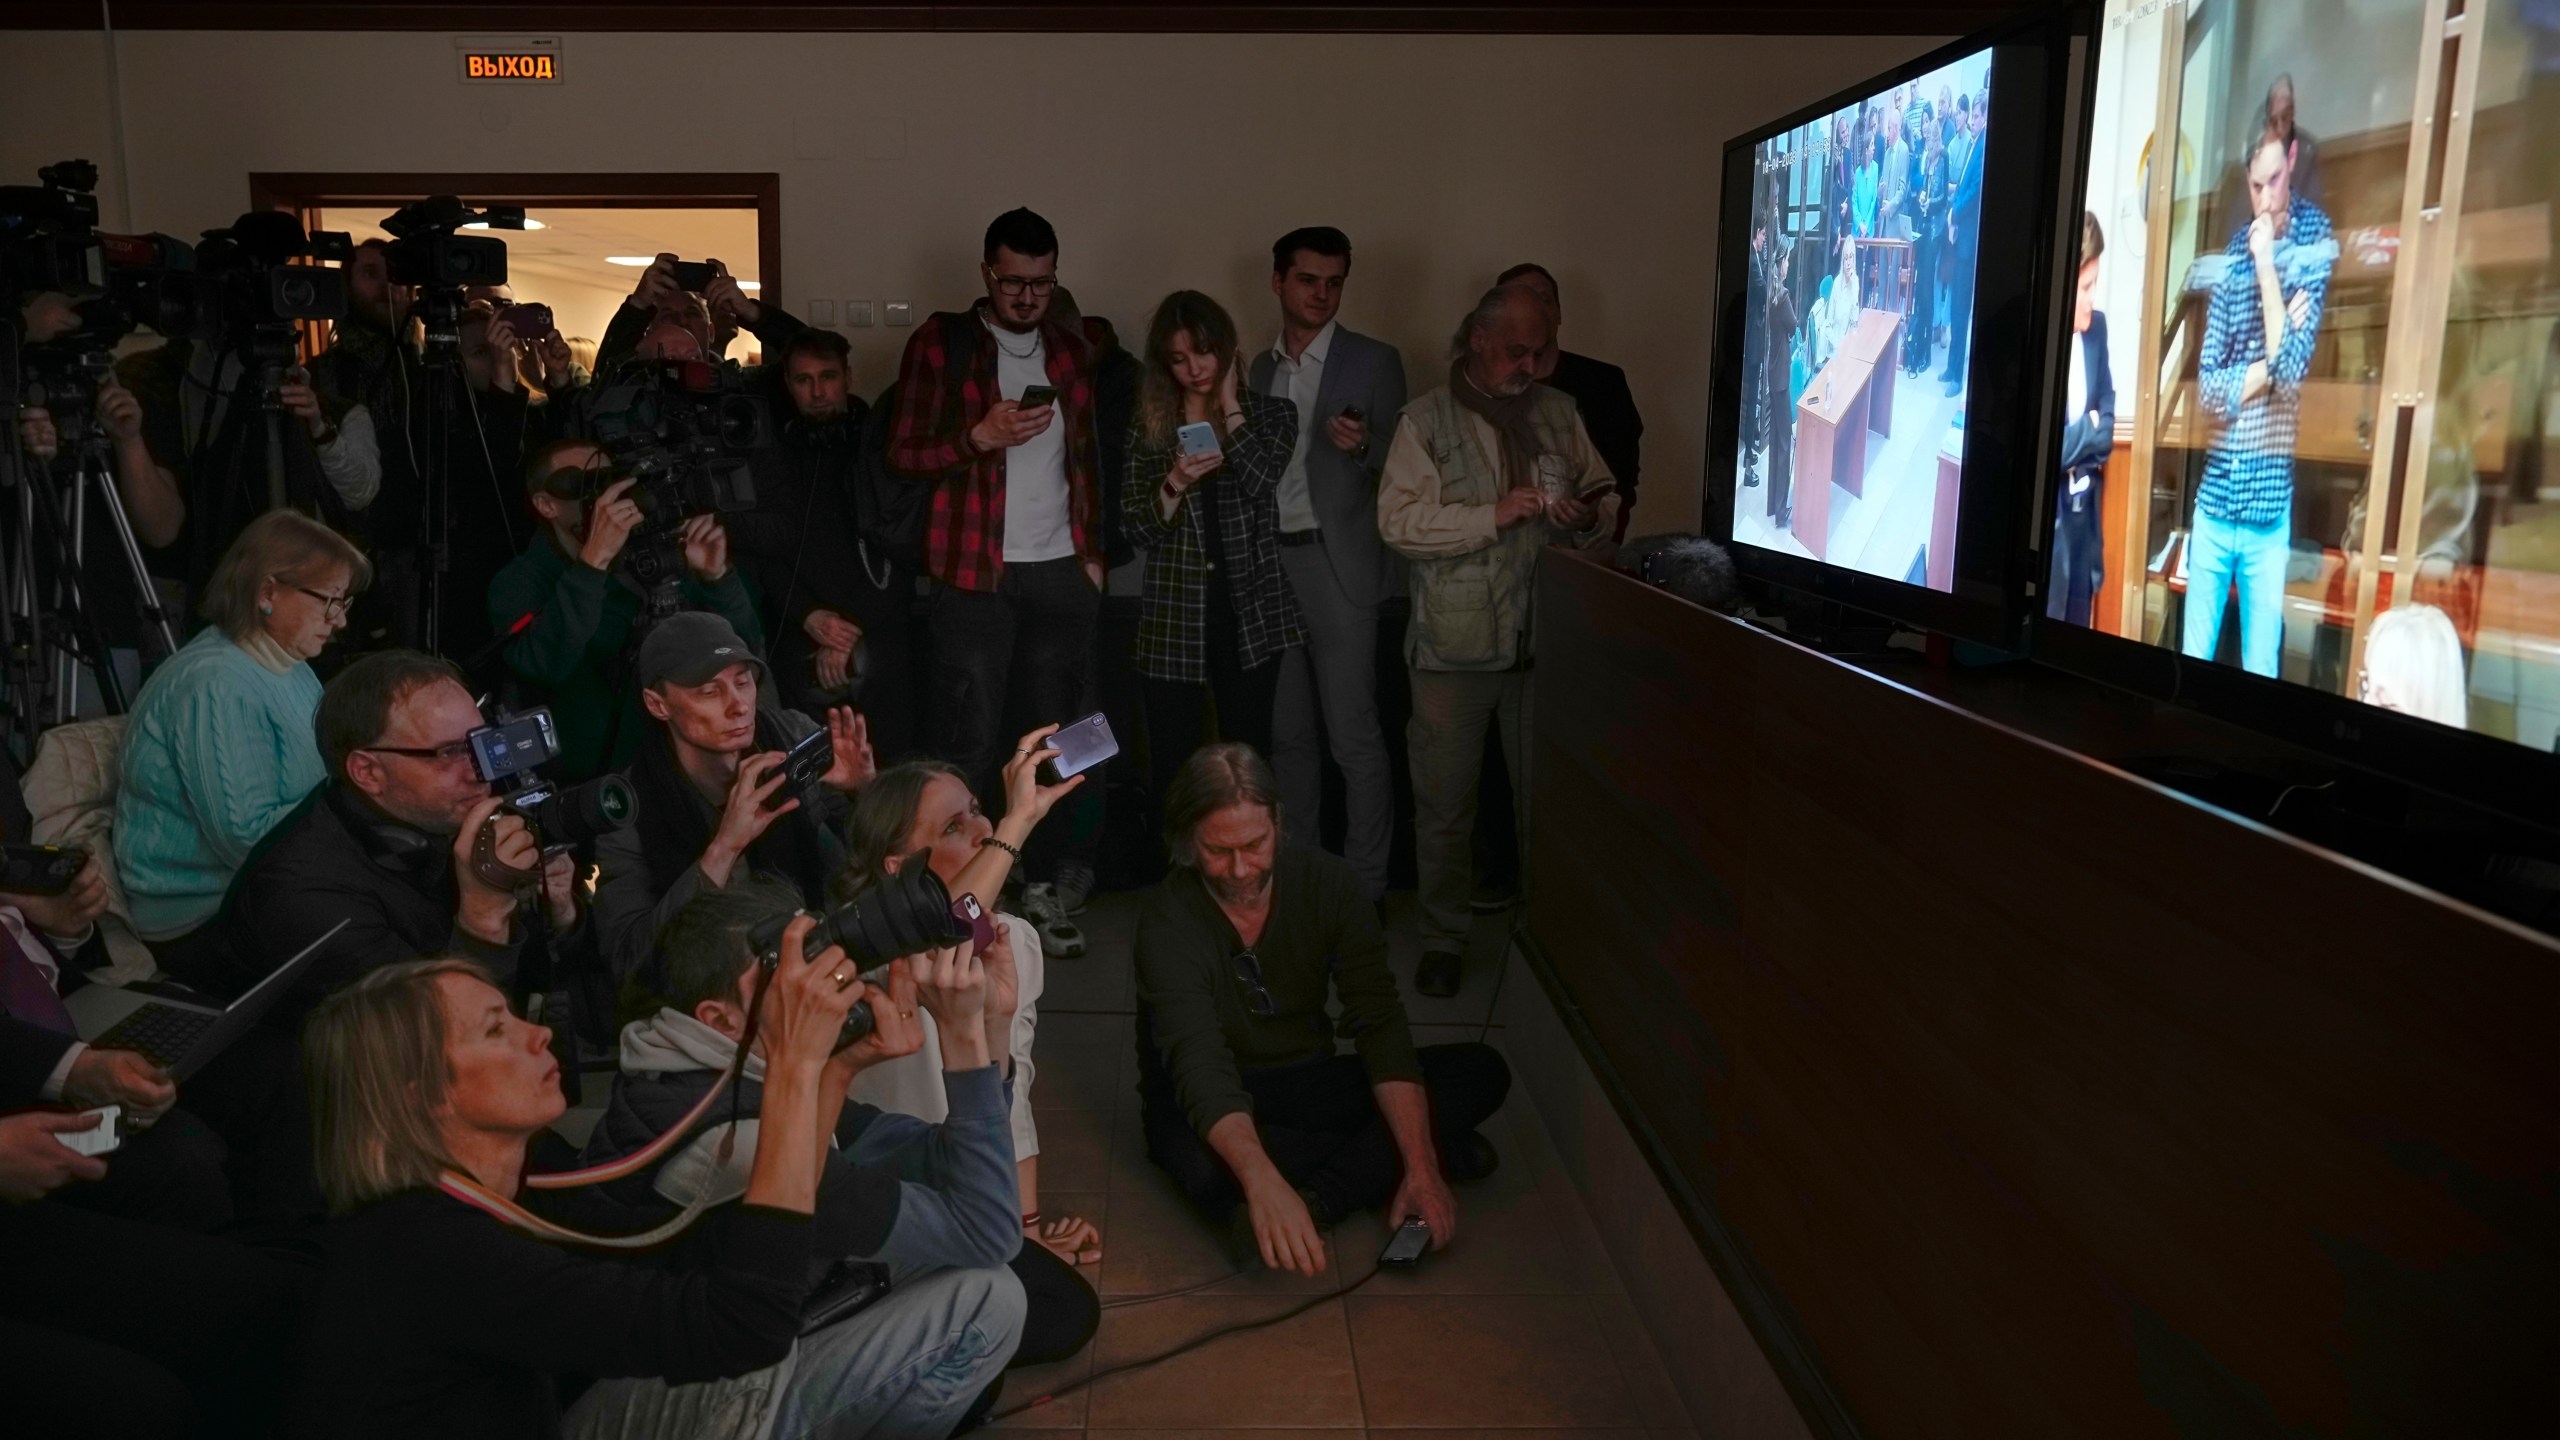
(328, 435)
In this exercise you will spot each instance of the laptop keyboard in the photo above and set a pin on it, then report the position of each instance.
(164, 1033)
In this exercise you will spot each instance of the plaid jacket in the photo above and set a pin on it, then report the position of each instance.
(1173, 616)
(2248, 469)
(964, 532)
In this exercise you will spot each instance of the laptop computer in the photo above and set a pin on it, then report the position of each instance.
(181, 1036)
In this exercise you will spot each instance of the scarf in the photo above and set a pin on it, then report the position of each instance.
(1509, 417)
(675, 826)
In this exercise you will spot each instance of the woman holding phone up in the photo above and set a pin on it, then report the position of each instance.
(1205, 458)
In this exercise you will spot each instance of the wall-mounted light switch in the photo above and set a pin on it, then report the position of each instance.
(857, 312)
(822, 312)
(902, 312)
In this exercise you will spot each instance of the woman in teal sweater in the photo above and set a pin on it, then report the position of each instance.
(220, 744)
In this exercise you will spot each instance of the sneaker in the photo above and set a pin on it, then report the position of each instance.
(1040, 903)
(1060, 939)
(1074, 886)
(1437, 976)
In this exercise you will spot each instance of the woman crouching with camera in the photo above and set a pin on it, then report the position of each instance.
(927, 806)
(452, 1306)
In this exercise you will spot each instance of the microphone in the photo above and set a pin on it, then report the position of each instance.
(1690, 566)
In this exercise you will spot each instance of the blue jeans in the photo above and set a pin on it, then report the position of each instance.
(904, 1368)
(2221, 553)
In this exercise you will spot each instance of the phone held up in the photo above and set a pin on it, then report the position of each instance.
(1198, 438)
(1081, 745)
(530, 322)
(1033, 397)
(803, 766)
(693, 275)
(40, 869)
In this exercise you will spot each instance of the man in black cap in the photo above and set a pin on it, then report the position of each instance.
(714, 802)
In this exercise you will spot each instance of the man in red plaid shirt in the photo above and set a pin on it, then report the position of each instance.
(995, 408)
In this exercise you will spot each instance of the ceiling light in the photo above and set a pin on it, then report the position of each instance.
(750, 284)
(483, 225)
(635, 261)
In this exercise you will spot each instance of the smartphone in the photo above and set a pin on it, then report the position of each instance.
(1410, 1242)
(1039, 395)
(693, 275)
(98, 1139)
(1198, 438)
(40, 869)
(803, 766)
(530, 322)
(982, 930)
(1082, 745)
(1354, 412)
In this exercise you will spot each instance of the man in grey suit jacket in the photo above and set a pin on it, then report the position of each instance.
(1348, 389)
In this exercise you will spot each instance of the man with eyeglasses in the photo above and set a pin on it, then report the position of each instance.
(576, 606)
(995, 413)
(392, 843)
(1245, 1102)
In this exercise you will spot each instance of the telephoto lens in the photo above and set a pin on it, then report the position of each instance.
(906, 914)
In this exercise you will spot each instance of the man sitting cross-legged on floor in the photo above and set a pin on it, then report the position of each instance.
(1245, 1100)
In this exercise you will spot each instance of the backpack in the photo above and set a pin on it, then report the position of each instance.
(895, 507)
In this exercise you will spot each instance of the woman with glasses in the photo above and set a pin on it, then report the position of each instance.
(220, 744)
(926, 807)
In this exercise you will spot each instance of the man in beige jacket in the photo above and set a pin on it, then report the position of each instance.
(1485, 472)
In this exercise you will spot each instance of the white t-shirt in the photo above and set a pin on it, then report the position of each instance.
(1300, 381)
(1036, 525)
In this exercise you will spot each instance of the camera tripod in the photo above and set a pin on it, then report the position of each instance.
(446, 398)
(49, 629)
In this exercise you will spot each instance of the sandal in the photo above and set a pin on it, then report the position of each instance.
(1071, 1238)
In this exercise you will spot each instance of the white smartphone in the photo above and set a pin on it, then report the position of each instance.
(1198, 438)
(98, 1139)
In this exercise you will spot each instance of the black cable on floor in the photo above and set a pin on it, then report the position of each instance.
(1292, 1313)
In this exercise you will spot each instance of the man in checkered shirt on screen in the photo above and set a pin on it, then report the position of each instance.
(2258, 340)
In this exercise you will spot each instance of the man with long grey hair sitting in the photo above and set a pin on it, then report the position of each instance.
(1246, 1103)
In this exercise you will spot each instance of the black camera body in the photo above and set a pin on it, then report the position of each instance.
(683, 432)
(509, 756)
(907, 914)
(49, 232)
(426, 251)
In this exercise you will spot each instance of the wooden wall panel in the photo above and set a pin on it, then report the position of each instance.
(2026, 1098)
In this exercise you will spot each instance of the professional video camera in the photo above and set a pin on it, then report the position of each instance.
(425, 250)
(683, 431)
(906, 914)
(508, 756)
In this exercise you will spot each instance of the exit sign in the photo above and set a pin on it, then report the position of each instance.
(510, 60)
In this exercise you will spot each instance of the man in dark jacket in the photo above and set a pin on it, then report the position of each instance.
(388, 845)
(701, 783)
(577, 605)
(836, 609)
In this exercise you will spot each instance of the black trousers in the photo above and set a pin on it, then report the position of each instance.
(110, 1327)
(1320, 1123)
(1062, 1313)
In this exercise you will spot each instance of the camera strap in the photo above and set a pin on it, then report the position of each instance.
(479, 1197)
(496, 873)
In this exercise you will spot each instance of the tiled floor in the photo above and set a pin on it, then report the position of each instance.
(1521, 1327)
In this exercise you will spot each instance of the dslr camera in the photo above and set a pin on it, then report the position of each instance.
(909, 913)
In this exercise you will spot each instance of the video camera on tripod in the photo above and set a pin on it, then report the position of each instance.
(683, 431)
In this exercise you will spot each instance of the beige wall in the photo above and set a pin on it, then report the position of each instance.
(1165, 160)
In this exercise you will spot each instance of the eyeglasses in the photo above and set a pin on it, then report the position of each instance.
(1015, 284)
(335, 605)
(444, 754)
(1249, 972)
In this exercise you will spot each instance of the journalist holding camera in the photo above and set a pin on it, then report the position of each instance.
(725, 788)
(404, 841)
(578, 604)
(450, 1308)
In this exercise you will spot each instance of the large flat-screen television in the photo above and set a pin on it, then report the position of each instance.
(2305, 409)
(1883, 270)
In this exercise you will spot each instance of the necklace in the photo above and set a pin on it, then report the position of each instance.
(998, 332)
